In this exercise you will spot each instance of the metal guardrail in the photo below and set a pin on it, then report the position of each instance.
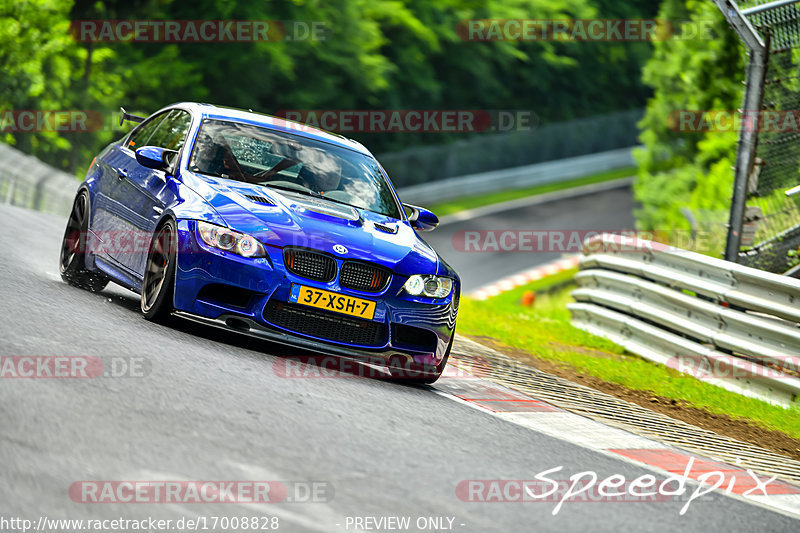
(728, 324)
(487, 152)
(517, 178)
(27, 182)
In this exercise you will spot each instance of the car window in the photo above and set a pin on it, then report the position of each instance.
(171, 133)
(141, 135)
(284, 161)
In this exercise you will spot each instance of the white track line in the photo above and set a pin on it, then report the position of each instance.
(482, 394)
(526, 276)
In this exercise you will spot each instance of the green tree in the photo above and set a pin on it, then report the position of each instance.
(377, 54)
(35, 52)
(679, 169)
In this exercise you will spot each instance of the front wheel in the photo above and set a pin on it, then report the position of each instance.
(420, 376)
(158, 285)
(72, 260)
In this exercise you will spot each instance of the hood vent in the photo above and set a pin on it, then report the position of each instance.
(259, 199)
(386, 229)
(328, 208)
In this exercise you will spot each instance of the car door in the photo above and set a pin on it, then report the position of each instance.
(142, 193)
(124, 226)
(112, 222)
(157, 189)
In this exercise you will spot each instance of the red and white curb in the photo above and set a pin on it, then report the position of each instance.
(525, 277)
(539, 416)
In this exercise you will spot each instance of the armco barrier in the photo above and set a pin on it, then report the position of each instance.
(27, 182)
(731, 325)
(516, 178)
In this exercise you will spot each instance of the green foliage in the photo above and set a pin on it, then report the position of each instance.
(36, 54)
(377, 54)
(688, 169)
(545, 331)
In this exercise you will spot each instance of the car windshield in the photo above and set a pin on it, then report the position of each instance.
(291, 163)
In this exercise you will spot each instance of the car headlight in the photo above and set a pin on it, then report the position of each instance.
(231, 241)
(431, 286)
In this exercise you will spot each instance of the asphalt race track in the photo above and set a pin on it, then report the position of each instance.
(211, 406)
(598, 208)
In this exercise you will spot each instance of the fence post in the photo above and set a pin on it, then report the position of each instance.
(748, 137)
(748, 143)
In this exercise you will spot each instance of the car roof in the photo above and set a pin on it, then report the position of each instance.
(271, 122)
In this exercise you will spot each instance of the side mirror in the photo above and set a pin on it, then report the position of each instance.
(155, 157)
(421, 219)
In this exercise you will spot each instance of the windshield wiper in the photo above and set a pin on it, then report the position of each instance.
(309, 192)
(306, 192)
(338, 202)
(222, 176)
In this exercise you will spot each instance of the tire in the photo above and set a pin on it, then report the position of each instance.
(72, 259)
(158, 285)
(410, 376)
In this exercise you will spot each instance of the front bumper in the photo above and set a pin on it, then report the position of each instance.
(224, 290)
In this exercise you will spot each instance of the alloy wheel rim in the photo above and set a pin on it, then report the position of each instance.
(74, 237)
(157, 267)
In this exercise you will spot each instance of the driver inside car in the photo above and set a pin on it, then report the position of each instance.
(216, 159)
(322, 177)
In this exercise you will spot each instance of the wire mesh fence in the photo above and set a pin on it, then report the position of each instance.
(776, 166)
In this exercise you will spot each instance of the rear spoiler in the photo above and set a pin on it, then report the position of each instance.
(124, 115)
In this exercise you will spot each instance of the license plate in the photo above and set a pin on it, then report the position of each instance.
(331, 301)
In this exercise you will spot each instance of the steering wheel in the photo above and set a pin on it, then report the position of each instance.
(230, 161)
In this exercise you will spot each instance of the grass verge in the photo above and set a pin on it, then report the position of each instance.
(544, 331)
(471, 202)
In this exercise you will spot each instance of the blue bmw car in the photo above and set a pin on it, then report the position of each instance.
(269, 228)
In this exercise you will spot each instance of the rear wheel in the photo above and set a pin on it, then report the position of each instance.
(72, 261)
(158, 285)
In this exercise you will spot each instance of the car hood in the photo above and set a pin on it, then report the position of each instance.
(282, 218)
